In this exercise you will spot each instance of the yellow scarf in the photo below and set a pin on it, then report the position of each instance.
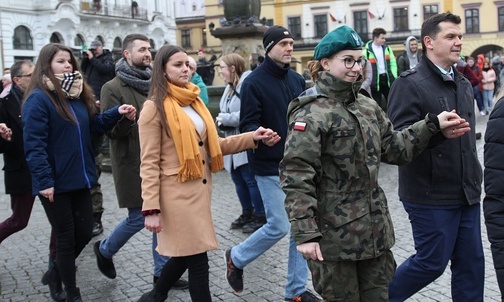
(184, 134)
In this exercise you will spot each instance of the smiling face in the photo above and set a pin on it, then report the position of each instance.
(337, 65)
(177, 69)
(61, 63)
(226, 72)
(281, 53)
(444, 48)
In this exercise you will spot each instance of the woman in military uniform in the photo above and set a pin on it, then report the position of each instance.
(336, 140)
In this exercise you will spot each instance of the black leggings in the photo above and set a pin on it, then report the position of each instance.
(71, 218)
(197, 265)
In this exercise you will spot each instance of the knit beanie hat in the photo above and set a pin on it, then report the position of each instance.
(273, 35)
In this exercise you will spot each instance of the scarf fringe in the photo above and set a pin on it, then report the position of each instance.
(217, 163)
(191, 169)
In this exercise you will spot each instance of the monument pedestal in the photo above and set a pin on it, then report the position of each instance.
(242, 39)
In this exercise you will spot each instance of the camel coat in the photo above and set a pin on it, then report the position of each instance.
(186, 216)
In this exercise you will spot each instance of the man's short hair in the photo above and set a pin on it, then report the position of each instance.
(378, 31)
(129, 39)
(16, 68)
(430, 27)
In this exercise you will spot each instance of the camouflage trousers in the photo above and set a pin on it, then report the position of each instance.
(354, 281)
(96, 193)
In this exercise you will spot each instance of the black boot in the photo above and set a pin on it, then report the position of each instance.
(251, 227)
(245, 217)
(73, 295)
(53, 279)
(97, 227)
(153, 296)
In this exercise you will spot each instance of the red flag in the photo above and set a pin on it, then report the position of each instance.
(370, 15)
(332, 17)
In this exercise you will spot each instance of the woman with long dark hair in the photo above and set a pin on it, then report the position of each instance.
(180, 148)
(59, 119)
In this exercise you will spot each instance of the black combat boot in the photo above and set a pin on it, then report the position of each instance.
(245, 217)
(254, 225)
(97, 227)
(153, 296)
(73, 295)
(53, 279)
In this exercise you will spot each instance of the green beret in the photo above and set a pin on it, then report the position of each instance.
(341, 38)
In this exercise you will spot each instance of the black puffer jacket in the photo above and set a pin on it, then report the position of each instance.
(98, 71)
(493, 204)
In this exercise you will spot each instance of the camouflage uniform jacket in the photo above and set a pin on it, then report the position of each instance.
(335, 143)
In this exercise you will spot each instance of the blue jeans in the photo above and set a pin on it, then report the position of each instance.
(131, 225)
(276, 227)
(443, 234)
(487, 99)
(247, 190)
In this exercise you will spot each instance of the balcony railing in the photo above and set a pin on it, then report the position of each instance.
(97, 7)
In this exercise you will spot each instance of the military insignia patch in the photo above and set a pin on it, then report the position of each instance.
(300, 126)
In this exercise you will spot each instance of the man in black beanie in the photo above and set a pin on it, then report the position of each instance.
(266, 94)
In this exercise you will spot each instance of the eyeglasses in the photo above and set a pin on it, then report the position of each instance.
(24, 75)
(222, 67)
(350, 62)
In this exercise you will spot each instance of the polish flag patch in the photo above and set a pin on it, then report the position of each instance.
(300, 126)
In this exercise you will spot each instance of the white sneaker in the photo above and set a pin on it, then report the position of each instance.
(482, 113)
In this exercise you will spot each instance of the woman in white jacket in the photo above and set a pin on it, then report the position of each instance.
(232, 71)
(488, 86)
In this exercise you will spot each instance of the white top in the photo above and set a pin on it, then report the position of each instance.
(196, 118)
(380, 60)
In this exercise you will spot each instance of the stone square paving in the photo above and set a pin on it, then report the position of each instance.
(23, 256)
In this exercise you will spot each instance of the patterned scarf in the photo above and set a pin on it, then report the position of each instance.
(71, 83)
(137, 78)
(184, 134)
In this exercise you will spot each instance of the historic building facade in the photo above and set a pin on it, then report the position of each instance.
(26, 26)
(309, 21)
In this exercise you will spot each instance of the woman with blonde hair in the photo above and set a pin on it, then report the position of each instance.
(179, 149)
(232, 71)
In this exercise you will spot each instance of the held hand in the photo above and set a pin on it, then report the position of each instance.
(268, 136)
(48, 193)
(153, 223)
(5, 132)
(452, 125)
(129, 111)
(310, 250)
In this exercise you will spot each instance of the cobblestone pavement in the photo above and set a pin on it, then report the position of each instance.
(23, 256)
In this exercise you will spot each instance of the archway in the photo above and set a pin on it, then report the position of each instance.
(489, 50)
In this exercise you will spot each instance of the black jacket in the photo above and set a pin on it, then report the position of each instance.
(17, 175)
(493, 204)
(98, 71)
(448, 171)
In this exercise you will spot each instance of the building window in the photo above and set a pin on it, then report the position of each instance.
(22, 38)
(117, 43)
(269, 22)
(401, 19)
(320, 25)
(152, 44)
(429, 11)
(500, 14)
(55, 38)
(294, 26)
(361, 25)
(186, 38)
(472, 20)
(79, 40)
(204, 37)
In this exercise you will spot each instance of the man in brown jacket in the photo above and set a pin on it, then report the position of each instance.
(130, 86)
